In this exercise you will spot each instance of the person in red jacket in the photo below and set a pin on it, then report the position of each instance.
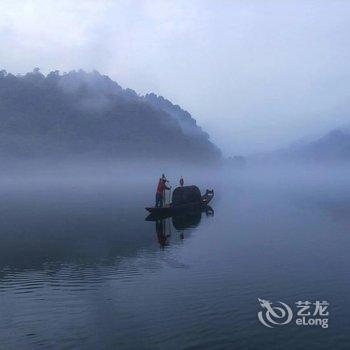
(160, 192)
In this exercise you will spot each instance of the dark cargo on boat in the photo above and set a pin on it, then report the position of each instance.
(186, 194)
(183, 199)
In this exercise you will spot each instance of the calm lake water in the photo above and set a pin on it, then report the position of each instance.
(80, 268)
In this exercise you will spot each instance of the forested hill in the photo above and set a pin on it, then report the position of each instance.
(88, 114)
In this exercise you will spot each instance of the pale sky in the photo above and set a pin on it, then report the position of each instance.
(256, 75)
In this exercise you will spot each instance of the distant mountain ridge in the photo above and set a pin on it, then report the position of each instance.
(332, 147)
(79, 113)
(335, 145)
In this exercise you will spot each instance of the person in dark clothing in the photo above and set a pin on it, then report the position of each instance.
(181, 181)
(160, 192)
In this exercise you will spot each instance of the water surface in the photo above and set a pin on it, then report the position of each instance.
(81, 268)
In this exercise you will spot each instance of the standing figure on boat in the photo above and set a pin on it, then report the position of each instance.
(160, 192)
(181, 181)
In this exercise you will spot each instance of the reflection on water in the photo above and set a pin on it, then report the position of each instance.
(178, 223)
(81, 268)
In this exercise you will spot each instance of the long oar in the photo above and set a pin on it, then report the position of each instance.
(169, 192)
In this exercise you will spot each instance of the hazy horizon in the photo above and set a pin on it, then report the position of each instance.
(255, 75)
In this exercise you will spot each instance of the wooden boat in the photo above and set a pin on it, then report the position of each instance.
(176, 206)
(184, 216)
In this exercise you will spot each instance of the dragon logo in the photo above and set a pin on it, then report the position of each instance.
(274, 315)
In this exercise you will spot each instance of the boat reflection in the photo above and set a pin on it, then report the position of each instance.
(178, 223)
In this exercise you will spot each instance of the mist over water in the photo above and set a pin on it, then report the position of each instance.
(98, 99)
(80, 265)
